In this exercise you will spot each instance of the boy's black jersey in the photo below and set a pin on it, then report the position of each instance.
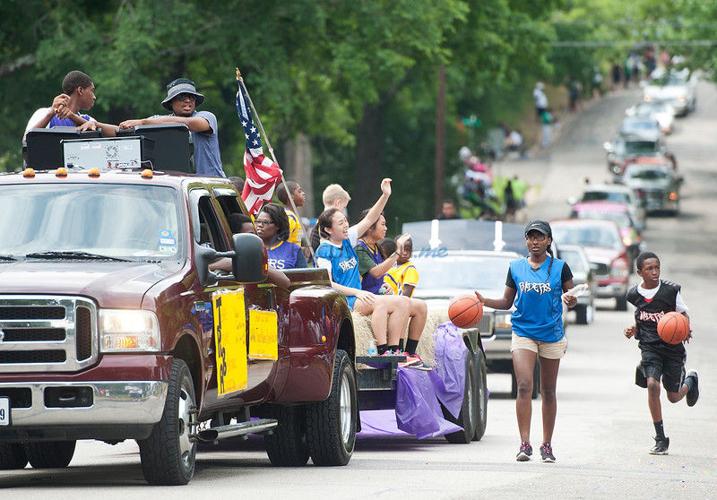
(649, 311)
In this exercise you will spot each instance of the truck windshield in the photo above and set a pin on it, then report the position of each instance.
(114, 220)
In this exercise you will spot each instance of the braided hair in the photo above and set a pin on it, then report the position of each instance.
(552, 258)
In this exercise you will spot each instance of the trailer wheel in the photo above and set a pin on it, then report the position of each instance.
(286, 445)
(168, 454)
(50, 455)
(468, 416)
(331, 424)
(481, 396)
(12, 456)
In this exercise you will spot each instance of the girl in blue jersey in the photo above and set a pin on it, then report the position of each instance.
(272, 226)
(535, 285)
(389, 314)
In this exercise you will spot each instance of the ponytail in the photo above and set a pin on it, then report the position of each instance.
(550, 264)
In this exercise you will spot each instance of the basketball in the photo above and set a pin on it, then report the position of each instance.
(673, 327)
(465, 311)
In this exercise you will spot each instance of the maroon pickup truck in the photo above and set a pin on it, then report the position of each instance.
(113, 327)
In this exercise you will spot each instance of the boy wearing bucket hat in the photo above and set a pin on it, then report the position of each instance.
(182, 100)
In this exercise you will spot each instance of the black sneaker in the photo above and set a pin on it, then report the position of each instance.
(525, 452)
(546, 453)
(694, 393)
(661, 445)
(640, 379)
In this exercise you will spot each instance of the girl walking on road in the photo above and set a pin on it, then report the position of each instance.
(536, 285)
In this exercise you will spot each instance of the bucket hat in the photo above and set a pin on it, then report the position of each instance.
(181, 86)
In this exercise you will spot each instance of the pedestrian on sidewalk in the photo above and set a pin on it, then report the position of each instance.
(547, 121)
(535, 285)
(653, 298)
(541, 100)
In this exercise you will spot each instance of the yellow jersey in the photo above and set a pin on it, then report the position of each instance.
(294, 228)
(398, 276)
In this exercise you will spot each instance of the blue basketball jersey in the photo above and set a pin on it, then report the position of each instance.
(538, 304)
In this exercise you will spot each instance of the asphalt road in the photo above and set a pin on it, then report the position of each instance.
(603, 430)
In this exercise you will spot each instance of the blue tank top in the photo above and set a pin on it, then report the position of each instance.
(285, 255)
(538, 305)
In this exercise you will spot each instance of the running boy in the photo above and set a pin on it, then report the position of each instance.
(653, 298)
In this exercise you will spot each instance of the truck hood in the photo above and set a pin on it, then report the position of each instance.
(666, 92)
(649, 184)
(110, 284)
(601, 255)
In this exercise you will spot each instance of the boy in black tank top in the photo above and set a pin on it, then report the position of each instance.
(652, 299)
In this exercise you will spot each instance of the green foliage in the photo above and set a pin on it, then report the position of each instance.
(313, 67)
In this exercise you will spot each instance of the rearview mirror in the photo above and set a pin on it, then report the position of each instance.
(607, 146)
(572, 200)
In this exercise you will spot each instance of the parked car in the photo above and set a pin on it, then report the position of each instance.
(460, 272)
(678, 88)
(639, 126)
(576, 258)
(619, 213)
(657, 185)
(661, 111)
(617, 194)
(624, 148)
(608, 255)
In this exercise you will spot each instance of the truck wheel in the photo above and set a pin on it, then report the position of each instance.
(536, 382)
(331, 424)
(584, 314)
(481, 396)
(168, 455)
(50, 455)
(12, 456)
(469, 410)
(286, 446)
(621, 303)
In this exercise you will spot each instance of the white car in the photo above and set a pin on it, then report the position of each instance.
(676, 88)
(660, 111)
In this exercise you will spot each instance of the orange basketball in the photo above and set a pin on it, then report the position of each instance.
(673, 327)
(465, 311)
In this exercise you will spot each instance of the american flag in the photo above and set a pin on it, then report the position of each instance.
(262, 174)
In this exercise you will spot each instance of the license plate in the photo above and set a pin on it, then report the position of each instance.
(4, 411)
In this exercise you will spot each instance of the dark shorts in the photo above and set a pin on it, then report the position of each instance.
(668, 367)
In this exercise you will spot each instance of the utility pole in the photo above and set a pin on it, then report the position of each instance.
(440, 158)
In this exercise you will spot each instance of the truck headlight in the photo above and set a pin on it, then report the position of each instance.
(128, 330)
(503, 322)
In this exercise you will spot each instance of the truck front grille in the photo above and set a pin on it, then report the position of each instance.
(47, 333)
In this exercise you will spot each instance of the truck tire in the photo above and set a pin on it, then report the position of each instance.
(536, 382)
(331, 424)
(168, 455)
(621, 303)
(50, 455)
(286, 445)
(481, 396)
(584, 314)
(468, 416)
(12, 456)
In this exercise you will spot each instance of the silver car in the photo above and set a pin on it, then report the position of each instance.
(576, 258)
(657, 185)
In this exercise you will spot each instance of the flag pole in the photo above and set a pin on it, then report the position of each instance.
(273, 158)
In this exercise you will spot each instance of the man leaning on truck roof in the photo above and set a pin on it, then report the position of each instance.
(182, 100)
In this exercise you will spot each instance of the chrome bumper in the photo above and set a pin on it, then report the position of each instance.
(112, 403)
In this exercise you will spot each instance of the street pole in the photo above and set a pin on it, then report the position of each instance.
(440, 158)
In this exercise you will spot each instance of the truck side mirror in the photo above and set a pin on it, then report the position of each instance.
(204, 256)
(249, 263)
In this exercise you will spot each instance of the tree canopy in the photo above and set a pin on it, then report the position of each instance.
(357, 78)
